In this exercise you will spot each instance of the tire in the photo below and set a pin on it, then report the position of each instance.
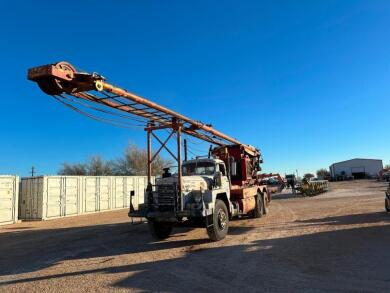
(159, 230)
(265, 204)
(220, 222)
(387, 206)
(259, 208)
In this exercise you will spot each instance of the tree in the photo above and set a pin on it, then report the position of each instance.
(96, 166)
(323, 173)
(387, 166)
(134, 162)
(73, 169)
(308, 176)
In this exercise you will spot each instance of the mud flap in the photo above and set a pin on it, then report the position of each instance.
(209, 220)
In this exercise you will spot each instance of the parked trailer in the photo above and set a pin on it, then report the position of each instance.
(50, 197)
(9, 190)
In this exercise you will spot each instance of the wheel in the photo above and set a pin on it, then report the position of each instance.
(266, 204)
(387, 206)
(259, 208)
(54, 86)
(159, 230)
(220, 222)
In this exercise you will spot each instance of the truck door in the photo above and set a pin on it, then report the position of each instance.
(225, 179)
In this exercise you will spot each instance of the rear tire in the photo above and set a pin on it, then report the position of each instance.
(266, 203)
(159, 230)
(259, 208)
(220, 225)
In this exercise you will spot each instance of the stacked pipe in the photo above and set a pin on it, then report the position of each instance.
(312, 188)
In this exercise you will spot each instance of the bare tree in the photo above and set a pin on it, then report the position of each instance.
(323, 173)
(308, 176)
(134, 162)
(96, 166)
(73, 169)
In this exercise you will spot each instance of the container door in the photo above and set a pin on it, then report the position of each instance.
(129, 187)
(90, 195)
(104, 193)
(36, 198)
(54, 194)
(118, 192)
(71, 192)
(24, 198)
(7, 199)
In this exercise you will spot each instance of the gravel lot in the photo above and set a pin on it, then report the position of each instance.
(337, 241)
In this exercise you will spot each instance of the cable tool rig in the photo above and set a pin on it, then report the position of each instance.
(226, 185)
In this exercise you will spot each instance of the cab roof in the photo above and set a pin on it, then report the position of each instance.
(210, 160)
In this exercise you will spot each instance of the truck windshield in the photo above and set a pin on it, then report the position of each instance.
(199, 168)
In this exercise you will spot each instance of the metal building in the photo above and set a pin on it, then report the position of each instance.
(49, 197)
(356, 169)
(9, 193)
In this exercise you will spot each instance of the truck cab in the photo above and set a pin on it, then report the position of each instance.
(204, 182)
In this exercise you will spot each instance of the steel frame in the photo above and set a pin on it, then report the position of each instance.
(176, 127)
(63, 79)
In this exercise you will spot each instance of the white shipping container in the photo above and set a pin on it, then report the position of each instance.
(48, 197)
(9, 194)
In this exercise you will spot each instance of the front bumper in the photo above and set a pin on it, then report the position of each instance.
(192, 210)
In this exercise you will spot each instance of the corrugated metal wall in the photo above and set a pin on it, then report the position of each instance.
(9, 194)
(50, 197)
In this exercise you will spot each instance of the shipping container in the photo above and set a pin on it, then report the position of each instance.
(48, 197)
(9, 194)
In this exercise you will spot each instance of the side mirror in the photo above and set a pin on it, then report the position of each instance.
(132, 193)
(218, 179)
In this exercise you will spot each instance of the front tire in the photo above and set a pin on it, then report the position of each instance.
(220, 222)
(159, 230)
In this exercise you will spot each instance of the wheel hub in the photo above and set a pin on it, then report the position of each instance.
(222, 219)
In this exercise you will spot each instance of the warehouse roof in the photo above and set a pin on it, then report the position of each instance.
(356, 159)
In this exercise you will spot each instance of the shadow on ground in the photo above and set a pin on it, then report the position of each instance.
(349, 259)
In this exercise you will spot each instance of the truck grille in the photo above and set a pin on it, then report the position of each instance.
(166, 198)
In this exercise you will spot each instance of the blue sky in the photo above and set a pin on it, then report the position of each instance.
(305, 81)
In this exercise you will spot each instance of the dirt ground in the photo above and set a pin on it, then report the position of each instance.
(337, 241)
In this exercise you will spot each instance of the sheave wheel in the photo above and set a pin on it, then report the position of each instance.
(54, 86)
(220, 223)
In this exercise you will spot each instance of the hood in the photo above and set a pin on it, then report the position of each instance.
(195, 182)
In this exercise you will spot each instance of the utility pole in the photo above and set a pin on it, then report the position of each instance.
(32, 171)
(296, 170)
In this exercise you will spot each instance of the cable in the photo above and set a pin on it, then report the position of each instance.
(105, 111)
(109, 121)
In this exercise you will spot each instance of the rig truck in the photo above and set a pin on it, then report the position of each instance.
(205, 191)
(213, 191)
